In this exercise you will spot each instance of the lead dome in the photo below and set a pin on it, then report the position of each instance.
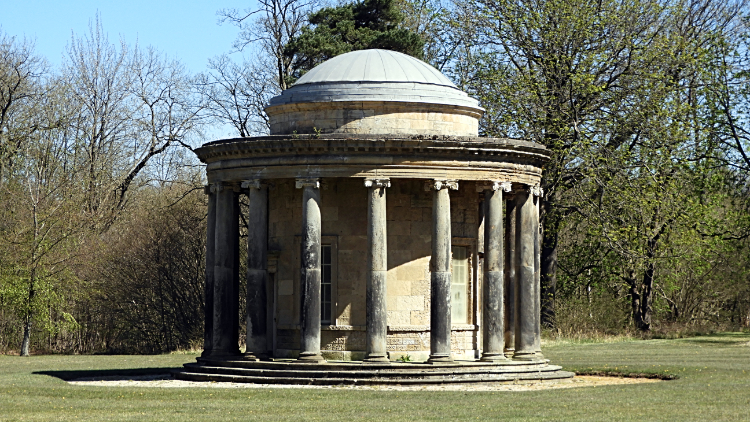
(374, 92)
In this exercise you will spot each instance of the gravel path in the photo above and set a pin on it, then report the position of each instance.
(166, 381)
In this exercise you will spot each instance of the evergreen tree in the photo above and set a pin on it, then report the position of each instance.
(353, 26)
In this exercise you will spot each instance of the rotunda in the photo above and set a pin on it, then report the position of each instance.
(381, 227)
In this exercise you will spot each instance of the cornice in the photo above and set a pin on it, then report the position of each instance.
(461, 148)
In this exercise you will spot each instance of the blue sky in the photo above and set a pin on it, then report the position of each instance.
(186, 30)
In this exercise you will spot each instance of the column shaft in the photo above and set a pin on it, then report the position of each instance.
(493, 332)
(208, 307)
(257, 271)
(235, 301)
(440, 277)
(525, 303)
(511, 281)
(377, 270)
(537, 277)
(226, 301)
(310, 275)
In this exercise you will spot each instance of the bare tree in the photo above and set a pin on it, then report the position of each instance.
(99, 79)
(133, 105)
(237, 95)
(169, 110)
(731, 94)
(430, 19)
(272, 25)
(21, 72)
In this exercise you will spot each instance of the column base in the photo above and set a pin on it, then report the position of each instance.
(256, 356)
(311, 358)
(527, 356)
(440, 358)
(376, 358)
(221, 354)
(509, 353)
(493, 357)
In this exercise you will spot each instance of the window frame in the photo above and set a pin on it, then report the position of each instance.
(471, 280)
(325, 240)
(326, 283)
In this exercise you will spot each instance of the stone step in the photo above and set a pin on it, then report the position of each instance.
(364, 374)
(355, 366)
(302, 372)
(508, 377)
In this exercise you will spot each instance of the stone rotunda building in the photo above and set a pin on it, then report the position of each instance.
(380, 226)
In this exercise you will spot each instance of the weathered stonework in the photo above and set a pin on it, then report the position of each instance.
(465, 158)
(344, 224)
(378, 198)
(373, 117)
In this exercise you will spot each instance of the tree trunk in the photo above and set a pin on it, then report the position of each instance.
(635, 298)
(26, 335)
(548, 264)
(647, 292)
(549, 277)
(29, 314)
(647, 286)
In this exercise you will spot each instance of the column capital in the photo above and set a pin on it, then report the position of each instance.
(378, 182)
(536, 190)
(252, 184)
(494, 185)
(214, 188)
(439, 184)
(308, 183)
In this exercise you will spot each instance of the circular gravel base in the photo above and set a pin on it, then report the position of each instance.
(166, 381)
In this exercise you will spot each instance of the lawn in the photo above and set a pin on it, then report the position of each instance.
(713, 384)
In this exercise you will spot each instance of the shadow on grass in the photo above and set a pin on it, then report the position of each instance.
(621, 374)
(716, 342)
(110, 374)
(720, 339)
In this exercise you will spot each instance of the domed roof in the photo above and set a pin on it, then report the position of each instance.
(375, 66)
(375, 75)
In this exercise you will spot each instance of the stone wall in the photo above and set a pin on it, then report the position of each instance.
(373, 117)
(409, 215)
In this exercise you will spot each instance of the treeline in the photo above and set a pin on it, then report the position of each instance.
(644, 104)
(89, 155)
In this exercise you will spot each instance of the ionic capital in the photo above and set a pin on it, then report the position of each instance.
(536, 190)
(494, 185)
(308, 183)
(256, 184)
(441, 184)
(378, 183)
(214, 188)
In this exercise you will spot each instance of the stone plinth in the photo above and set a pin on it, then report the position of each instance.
(351, 373)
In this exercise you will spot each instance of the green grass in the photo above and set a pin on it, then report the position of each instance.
(713, 384)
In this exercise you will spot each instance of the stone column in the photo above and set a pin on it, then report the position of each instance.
(236, 268)
(377, 271)
(226, 301)
(493, 314)
(511, 281)
(525, 302)
(440, 272)
(310, 272)
(208, 307)
(537, 193)
(257, 270)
